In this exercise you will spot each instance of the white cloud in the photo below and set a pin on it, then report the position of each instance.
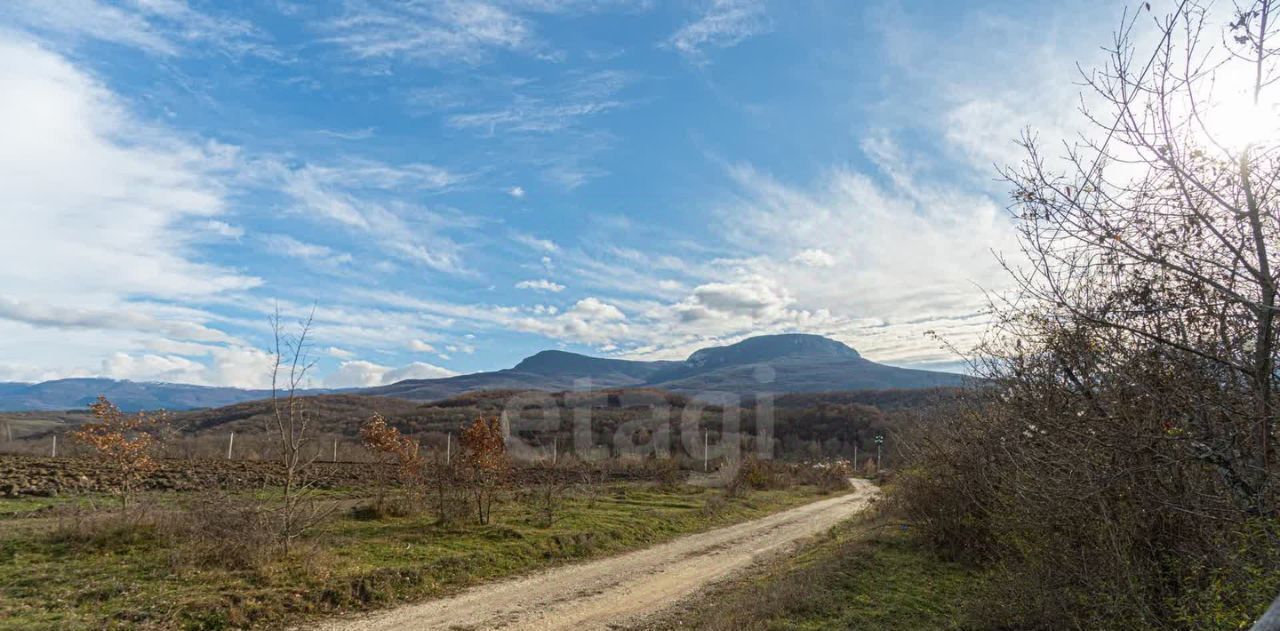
(364, 133)
(541, 108)
(754, 297)
(115, 319)
(229, 366)
(164, 27)
(340, 353)
(534, 243)
(516, 192)
(722, 24)
(589, 321)
(540, 284)
(363, 374)
(814, 257)
(419, 346)
(291, 247)
(104, 215)
(80, 199)
(444, 31)
(151, 368)
(221, 229)
(597, 310)
(368, 196)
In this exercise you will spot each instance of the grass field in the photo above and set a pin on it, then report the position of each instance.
(54, 576)
(866, 574)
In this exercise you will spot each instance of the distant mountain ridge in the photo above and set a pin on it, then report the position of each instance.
(76, 393)
(774, 363)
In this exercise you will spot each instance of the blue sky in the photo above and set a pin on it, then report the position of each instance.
(457, 184)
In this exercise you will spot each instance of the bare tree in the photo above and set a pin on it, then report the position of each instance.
(1162, 228)
(291, 424)
(1117, 471)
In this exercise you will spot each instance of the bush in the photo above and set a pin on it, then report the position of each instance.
(219, 530)
(386, 506)
(667, 473)
(713, 506)
(828, 476)
(88, 529)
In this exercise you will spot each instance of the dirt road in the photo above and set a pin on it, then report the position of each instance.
(623, 590)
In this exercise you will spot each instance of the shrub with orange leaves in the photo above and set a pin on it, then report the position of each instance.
(126, 441)
(484, 462)
(381, 437)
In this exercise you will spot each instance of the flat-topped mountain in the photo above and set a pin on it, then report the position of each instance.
(768, 363)
(572, 364)
(775, 363)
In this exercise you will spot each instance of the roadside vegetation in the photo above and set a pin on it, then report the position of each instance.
(868, 573)
(1120, 470)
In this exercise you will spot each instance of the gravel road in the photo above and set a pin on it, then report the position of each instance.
(621, 591)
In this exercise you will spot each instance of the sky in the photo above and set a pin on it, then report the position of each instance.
(453, 185)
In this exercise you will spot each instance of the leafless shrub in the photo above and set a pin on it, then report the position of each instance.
(713, 506)
(215, 529)
(591, 485)
(290, 424)
(728, 478)
(89, 527)
(546, 491)
(667, 472)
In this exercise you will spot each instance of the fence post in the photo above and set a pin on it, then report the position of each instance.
(705, 447)
(55, 446)
(335, 450)
(231, 443)
(448, 448)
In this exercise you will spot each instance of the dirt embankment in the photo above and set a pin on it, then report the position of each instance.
(621, 591)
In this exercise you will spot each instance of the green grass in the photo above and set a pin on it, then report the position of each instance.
(129, 577)
(862, 575)
(22, 506)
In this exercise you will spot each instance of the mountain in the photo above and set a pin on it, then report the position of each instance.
(774, 363)
(768, 363)
(547, 370)
(70, 394)
(763, 349)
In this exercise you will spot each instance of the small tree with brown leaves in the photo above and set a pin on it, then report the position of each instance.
(484, 463)
(125, 441)
(383, 439)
